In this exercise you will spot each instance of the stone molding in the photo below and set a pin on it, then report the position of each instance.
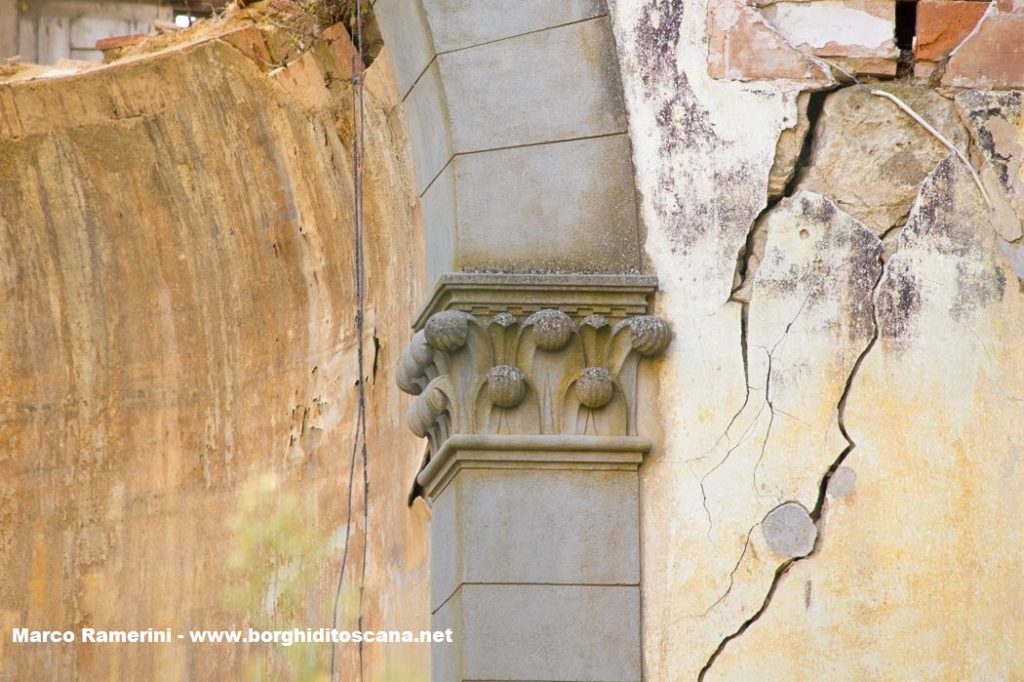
(543, 375)
(485, 295)
(606, 453)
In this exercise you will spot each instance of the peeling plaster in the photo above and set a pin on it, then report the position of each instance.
(925, 435)
(817, 24)
(778, 308)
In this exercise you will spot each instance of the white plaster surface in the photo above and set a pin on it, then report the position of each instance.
(817, 24)
(918, 573)
(702, 172)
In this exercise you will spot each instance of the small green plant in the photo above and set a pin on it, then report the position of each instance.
(273, 560)
(276, 559)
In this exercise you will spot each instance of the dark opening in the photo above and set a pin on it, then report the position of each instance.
(906, 30)
(906, 24)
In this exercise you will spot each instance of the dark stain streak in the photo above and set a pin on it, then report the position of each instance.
(899, 302)
(980, 108)
(683, 123)
(976, 289)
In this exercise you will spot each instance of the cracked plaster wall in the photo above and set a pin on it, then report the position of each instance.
(838, 491)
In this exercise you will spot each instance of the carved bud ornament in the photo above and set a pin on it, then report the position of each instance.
(541, 375)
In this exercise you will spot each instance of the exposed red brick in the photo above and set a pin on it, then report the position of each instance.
(743, 46)
(115, 42)
(992, 57)
(866, 53)
(943, 24)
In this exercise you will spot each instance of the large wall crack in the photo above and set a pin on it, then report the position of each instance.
(748, 622)
(817, 512)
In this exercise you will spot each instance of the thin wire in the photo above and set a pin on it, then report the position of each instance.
(348, 533)
(359, 438)
(905, 108)
(360, 296)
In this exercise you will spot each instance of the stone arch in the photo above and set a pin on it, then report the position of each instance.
(518, 135)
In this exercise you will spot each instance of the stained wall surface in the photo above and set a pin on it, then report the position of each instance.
(838, 494)
(178, 353)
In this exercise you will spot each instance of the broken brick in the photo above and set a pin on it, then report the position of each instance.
(743, 46)
(993, 56)
(943, 24)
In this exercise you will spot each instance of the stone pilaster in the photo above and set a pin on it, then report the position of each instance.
(530, 405)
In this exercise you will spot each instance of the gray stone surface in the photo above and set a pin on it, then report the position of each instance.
(843, 482)
(557, 84)
(535, 526)
(1014, 257)
(994, 120)
(541, 632)
(404, 23)
(462, 23)
(439, 225)
(789, 530)
(487, 294)
(446, 659)
(566, 207)
(504, 109)
(446, 546)
(426, 115)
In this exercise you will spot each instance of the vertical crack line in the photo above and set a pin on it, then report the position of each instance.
(743, 438)
(749, 621)
(749, 256)
(816, 513)
(768, 387)
(744, 350)
(746, 268)
(744, 354)
(815, 107)
(746, 432)
(732, 573)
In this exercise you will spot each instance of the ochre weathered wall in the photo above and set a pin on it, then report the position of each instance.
(848, 343)
(178, 358)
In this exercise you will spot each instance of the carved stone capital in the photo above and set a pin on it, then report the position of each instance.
(539, 375)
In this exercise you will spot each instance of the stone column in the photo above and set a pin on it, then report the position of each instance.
(527, 389)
